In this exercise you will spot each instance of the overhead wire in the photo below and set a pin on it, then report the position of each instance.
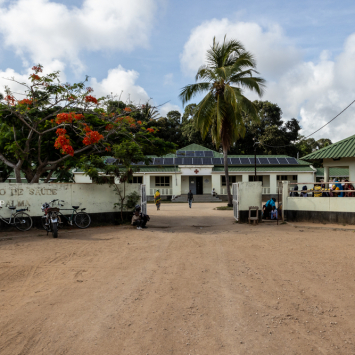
(290, 145)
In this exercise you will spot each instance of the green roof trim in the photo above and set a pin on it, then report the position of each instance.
(333, 172)
(259, 169)
(195, 147)
(157, 169)
(342, 149)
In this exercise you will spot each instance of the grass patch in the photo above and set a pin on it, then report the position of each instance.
(224, 208)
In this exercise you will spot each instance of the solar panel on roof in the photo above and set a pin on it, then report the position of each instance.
(199, 154)
(190, 153)
(263, 161)
(207, 161)
(283, 161)
(197, 161)
(110, 160)
(217, 161)
(187, 161)
(292, 161)
(178, 161)
(252, 161)
(235, 161)
(244, 161)
(180, 153)
(273, 161)
(158, 161)
(208, 153)
(168, 161)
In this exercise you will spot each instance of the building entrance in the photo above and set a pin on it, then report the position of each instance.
(199, 185)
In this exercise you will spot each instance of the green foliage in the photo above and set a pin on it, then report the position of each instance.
(132, 200)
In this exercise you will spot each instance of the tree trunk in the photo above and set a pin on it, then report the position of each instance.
(17, 171)
(225, 157)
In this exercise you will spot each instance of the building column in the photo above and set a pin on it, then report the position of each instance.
(284, 198)
(146, 182)
(326, 175)
(176, 184)
(216, 183)
(273, 184)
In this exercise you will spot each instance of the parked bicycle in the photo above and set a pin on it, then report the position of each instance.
(80, 219)
(21, 220)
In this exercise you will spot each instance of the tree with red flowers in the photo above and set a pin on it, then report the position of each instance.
(51, 125)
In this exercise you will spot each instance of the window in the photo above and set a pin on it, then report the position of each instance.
(282, 177)
(294, 177)
(232, 180)
(162, 181)
(136, 180)
(258, 178)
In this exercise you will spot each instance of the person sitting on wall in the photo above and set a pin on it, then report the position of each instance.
(139, 219)
(317, 191)
(263, 212)
(273, 213)
(325, 191)
(304, 191)
(294, 193)
(268, 207)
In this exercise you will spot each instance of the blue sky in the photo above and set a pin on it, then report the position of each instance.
(152, 48)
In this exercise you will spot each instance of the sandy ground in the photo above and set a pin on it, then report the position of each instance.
(195, 282)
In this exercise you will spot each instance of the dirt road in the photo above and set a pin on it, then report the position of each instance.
(195, 282)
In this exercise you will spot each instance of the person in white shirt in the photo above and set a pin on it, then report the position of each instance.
(273, 213)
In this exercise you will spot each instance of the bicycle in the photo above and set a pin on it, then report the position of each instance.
(21, 220)
(81, 219)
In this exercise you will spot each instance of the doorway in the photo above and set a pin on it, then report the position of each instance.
(199, 185)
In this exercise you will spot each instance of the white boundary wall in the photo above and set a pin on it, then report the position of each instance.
(95, 198)
(322, 204)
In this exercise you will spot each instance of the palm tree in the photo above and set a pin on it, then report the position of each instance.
(228, 71)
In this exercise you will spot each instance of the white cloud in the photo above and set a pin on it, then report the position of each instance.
(312, 91)
(45, 30)
(120, 82)
(167, 108)
(273, 51)
(13, 79)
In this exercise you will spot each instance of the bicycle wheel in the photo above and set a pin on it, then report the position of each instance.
(23, 221)
(55, 230)
(44, 226)
(82, 220)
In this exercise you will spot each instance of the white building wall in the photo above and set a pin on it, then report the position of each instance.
(95, 198)
(207, 185)
(184, 185)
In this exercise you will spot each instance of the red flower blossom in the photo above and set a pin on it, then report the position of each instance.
(92, 99)
(108, 149)
(92, 137)
(37, 68)
(79, 116)
(35, 77)
(89, 89)
(61, 131)
(68, 149)
(68, 117)
(127, 109)
(10, 99)
(109, 127)
(151, 130)
(71, 98)
(25, 102)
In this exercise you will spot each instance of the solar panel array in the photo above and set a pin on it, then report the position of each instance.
(206, 158)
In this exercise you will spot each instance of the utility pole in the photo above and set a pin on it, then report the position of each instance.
(255, 143)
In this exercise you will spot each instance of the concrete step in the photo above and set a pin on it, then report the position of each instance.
(198, 198)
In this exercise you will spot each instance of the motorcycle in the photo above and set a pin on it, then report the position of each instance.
(51, 221)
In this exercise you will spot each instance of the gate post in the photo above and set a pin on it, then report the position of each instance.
(143, 199)
(284, 198)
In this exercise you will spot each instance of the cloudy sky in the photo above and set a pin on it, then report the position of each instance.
(152, 48)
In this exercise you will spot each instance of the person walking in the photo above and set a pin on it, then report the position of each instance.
(157, 200)
(190, 197)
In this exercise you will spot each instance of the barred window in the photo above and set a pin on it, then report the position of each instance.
(232, 179)
(162, 181)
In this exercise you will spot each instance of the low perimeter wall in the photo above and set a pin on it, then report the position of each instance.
(318, 209)
(97, 199)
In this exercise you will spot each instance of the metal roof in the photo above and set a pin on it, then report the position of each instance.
(259, 169)
(342, 149)
(333, 172)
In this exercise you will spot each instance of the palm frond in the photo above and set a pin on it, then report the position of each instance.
(189, 91)
(205, 111)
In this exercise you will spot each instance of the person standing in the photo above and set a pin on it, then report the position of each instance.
(157, 200)
(190, 197)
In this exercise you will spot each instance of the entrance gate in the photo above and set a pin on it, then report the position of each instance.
(235, 188)
(143, 199)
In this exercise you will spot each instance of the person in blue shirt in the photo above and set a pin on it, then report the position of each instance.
(268, 207)
(273, 213)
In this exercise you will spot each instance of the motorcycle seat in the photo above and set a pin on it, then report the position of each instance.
(75, 207)
(12, 207)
